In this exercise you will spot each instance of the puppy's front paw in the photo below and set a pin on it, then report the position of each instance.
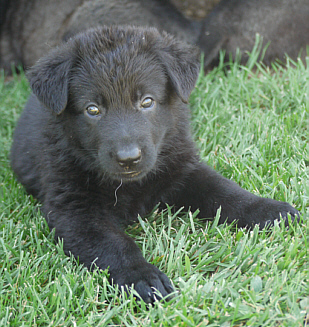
(148, 281)
(265, 211)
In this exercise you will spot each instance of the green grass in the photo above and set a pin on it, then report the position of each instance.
(253, 127)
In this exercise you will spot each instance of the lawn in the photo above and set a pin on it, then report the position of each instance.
(252, 125)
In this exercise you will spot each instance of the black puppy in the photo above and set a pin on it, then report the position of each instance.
(108, 115)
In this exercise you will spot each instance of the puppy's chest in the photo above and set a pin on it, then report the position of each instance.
(129, 204)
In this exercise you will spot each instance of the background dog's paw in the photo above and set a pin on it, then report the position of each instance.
(266, 211)
(147, 280)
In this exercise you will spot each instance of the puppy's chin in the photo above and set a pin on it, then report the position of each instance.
(130, 176)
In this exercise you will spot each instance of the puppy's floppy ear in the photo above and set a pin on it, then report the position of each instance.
(182, 63)
(49, 78)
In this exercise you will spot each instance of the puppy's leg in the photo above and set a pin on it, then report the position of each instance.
(206, 190)
(92, 235)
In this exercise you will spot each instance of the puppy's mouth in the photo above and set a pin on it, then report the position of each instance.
(131, 175)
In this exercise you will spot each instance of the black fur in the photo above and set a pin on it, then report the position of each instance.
(137, 81)
(4, 5)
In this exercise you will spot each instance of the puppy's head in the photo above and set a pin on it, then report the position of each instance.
(119, 93)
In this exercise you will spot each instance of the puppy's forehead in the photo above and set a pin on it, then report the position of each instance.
(120, 65)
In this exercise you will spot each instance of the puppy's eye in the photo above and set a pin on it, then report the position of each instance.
(93, 111)
(147, 103)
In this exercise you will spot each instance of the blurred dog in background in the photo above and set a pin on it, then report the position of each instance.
(28, 29)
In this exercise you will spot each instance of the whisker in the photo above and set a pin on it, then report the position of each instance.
(116, 193)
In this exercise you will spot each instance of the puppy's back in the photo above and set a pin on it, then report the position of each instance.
(28, 146)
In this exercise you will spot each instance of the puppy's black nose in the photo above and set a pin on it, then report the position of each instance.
(129, 157)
